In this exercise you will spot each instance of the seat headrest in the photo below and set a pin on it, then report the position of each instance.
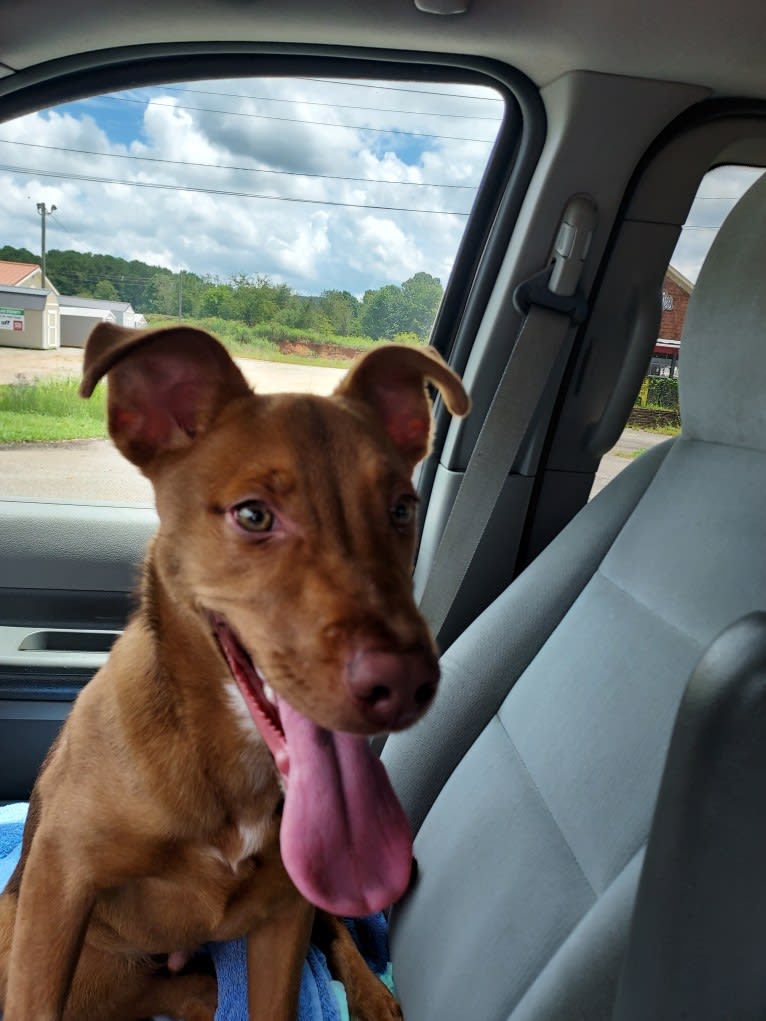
(722, 366)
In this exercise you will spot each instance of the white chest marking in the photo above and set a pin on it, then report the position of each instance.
(246, 842)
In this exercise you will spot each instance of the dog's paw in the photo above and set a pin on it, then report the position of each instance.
(198, 997)
(378, 1005)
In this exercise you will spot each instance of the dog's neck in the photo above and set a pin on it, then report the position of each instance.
(198, 700)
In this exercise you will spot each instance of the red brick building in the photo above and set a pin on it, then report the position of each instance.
(676, 290)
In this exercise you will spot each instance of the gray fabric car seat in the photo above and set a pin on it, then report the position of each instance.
(531, 784)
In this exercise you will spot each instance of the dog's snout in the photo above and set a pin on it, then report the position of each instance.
(392, 689)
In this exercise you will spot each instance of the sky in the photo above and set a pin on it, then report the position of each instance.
(315, 183)
(716, 195)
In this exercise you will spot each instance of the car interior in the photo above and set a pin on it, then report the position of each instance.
(585, 791)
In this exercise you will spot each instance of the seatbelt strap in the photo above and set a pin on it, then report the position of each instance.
(552, 303)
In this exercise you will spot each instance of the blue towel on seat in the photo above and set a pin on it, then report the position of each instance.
(317, 1001)
(11, 831)
(321, 998)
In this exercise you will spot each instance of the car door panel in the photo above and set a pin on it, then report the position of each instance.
(69, 571)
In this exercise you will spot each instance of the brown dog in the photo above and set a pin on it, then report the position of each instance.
(214, 779)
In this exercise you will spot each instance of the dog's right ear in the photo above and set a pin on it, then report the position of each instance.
(166, 385)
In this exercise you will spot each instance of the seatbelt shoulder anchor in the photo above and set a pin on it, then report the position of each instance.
(536, 291)
(557, 287)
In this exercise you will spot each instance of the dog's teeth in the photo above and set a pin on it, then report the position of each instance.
(269, 693)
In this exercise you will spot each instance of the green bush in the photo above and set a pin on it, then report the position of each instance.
(663, 392)
(264, 338)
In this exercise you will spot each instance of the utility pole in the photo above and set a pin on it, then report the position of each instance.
(43, 213)
(180, 295)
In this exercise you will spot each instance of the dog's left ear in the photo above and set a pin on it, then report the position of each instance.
(166, 386)
(392, 379)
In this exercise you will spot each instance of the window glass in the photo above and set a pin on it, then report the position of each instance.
(719, 191)
(300, 220)
(656, 414)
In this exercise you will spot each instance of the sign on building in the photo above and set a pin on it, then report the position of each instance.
(12, 319)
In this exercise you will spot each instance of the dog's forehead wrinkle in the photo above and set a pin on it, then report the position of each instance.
(354, 473)
(333, 432)
(338, 453)
(319, 439)
(271, 480)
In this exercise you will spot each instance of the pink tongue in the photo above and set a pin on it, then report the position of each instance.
(346, 843)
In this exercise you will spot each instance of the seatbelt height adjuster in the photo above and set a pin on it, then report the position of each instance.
(557, 287)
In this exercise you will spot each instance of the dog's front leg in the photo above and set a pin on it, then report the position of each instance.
(276, 950)
(53, 910)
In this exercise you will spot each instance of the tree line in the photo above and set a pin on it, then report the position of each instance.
(383, 312)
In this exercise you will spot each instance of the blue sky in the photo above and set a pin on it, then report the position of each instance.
(360, 184)
(122, 123)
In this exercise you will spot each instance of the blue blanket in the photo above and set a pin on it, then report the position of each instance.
(321, 997)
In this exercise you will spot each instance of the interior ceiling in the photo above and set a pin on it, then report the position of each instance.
(713, 44)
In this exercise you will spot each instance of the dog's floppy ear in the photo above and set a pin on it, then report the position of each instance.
(392, 379)
(166, 385)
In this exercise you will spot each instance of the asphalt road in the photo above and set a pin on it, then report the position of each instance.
(87, 471)
(630, 445)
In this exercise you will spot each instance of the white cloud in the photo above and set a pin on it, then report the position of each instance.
(394, 254)
(716, 197)
(296, 143)
(300, 254)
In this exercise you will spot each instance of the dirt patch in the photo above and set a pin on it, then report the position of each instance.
(305, 350)
(18, 364)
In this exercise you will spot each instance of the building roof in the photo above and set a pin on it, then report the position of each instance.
(32, 298)
(13, 273)
(105, 315)
(111, 306)
(680, 279)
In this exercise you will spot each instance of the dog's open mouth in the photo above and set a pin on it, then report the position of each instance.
(259, 697)
(344, 838)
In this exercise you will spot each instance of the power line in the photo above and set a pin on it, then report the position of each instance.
(66, 176)
(63, 227)
(224, 166)
(301, 120)
(399, 88)
(332, 106)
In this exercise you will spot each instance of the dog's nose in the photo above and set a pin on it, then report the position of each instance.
(392, 689)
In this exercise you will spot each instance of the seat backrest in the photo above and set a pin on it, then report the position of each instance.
(532, 782)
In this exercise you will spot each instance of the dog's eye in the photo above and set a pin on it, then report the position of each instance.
(253, 516)
(403, 511)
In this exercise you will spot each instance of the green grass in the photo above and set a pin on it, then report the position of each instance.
(662, 430)
(40, 411)
(629, 455)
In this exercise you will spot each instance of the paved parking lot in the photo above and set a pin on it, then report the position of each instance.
(92, 471)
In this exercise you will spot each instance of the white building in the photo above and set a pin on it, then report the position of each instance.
(29, 312)
(80, 315)
(35, 315)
